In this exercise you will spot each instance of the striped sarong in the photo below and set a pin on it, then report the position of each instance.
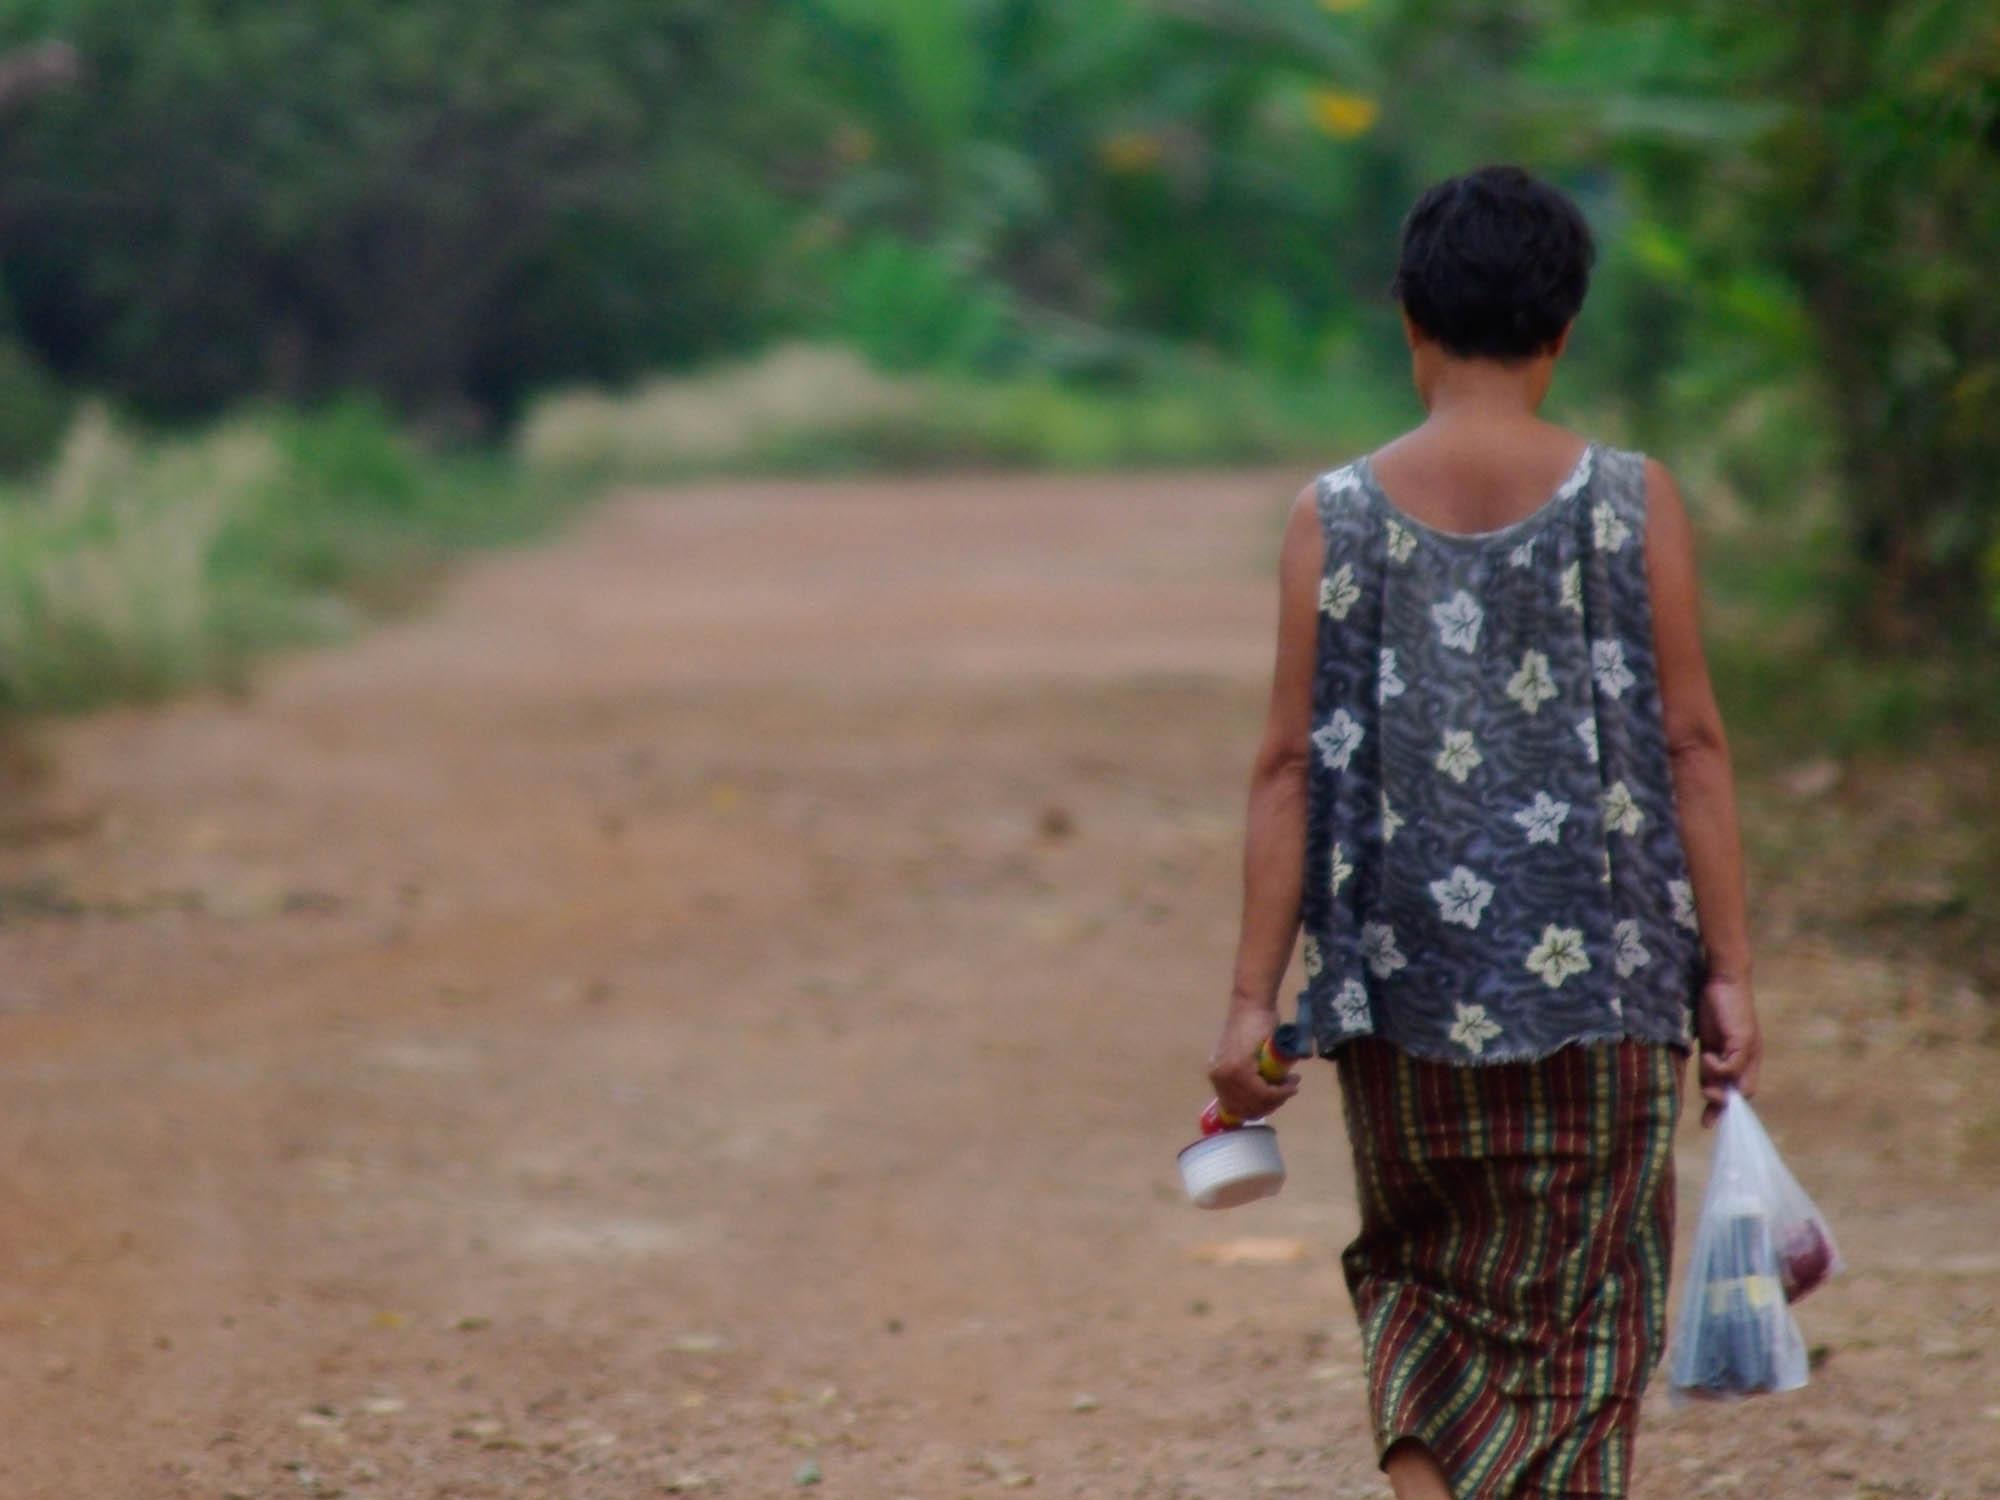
(1511, 1271)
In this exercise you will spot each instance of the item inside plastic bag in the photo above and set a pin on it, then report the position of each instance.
(1760, 1246)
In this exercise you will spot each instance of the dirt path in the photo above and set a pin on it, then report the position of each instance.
(714, 1003)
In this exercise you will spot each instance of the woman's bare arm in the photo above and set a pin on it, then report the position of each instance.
(1705, 789)
(1274, 840)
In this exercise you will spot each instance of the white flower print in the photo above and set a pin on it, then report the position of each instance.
(1378, 948)
(1462, 896)
(1459, 754)
(1337, 738)
(1621, 813)
(1586, 730)
(1313, 962)
(1458, 620)
(1532, 686)
(1391, 820)
(1607, 665)
(1542, 819)
(1558, 955)
(1682, 895)
(1388, 683)
(1618, 1006)
(1572, 587)
(1580, 478)
(1474, 1028)
(1343, 481)
(1350, 1006)
(1337, 871)
(1523, 555)
(1612, 533)
(1338, 593)
(1630, 956)
(1402, 542)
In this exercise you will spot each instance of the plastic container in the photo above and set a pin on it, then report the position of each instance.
(1237, 1161)
(1238, 1165)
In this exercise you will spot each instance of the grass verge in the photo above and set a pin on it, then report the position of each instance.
(136, 568)
(822, 410)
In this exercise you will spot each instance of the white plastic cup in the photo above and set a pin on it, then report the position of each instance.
(1233, 1166)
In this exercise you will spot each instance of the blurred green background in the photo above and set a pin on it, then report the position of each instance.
(296, 299)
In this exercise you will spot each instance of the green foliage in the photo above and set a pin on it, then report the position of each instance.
(1164, 174)
(909, 308)
(302, 200)
(1884, 205)
(1840, 249)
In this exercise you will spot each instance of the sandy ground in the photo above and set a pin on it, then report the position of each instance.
(712, 1006)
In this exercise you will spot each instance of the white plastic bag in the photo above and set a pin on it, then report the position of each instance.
(1760, 1246)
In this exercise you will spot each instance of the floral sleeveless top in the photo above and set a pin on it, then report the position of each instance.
(1494, 866)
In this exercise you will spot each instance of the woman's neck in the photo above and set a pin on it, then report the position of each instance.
(1483, 389)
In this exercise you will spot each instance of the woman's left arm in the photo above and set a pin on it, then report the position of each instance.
(1274, 840)
(1705, 797)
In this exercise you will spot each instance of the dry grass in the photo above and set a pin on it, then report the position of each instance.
(108, 578)
(723, 417)
(816, 409)
(142, 566)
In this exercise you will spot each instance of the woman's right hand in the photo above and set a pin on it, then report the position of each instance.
(1232, 1067)
(1732, 1047)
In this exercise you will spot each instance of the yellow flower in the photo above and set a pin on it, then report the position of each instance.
(1344, 116)
(1129, 151)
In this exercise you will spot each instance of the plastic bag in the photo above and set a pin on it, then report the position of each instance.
(1761, 1245)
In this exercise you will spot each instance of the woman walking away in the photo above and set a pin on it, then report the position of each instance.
(1494, 793)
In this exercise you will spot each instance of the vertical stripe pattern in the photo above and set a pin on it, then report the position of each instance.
(1510, 1275)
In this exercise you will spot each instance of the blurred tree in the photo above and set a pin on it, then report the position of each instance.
(1834, 240)
(437, 200)
(1880, 197)
(1125, 175)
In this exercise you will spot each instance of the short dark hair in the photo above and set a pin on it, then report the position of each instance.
(1493, 264)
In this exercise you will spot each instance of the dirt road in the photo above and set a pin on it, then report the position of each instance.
(711, 1007)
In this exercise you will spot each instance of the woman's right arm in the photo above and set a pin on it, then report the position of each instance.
(1275, 829)
(1705, 791)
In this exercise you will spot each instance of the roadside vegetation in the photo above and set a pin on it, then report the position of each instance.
(137, 565)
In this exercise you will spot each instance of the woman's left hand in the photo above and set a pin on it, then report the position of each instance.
(1232, 1067)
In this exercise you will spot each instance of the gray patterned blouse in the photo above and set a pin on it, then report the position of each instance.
(1493, 860)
